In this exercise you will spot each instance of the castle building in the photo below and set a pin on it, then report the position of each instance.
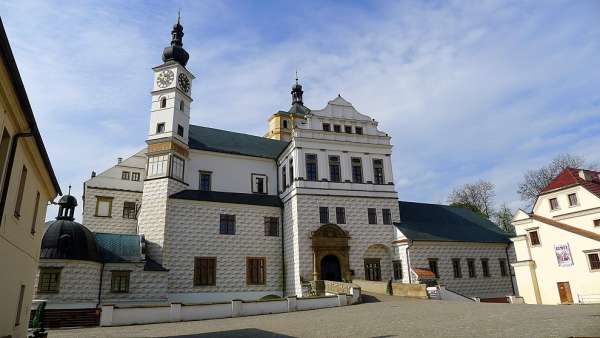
(208, 215)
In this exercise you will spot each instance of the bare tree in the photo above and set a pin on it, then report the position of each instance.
(535, 180)
(478, 196)
(503, 219)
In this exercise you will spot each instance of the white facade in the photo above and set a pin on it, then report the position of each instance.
(566, 231)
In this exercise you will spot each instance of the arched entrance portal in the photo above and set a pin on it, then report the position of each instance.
(330, 268)
(330, 253)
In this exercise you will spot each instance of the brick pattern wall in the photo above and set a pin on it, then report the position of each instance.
(152, 217)
(143, 285)
(483, 287)
(79, 281)
(305, 216)
(116, 223)
(290, 231)
(193, 231)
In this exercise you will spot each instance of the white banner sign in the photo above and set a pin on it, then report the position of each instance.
(563, 254)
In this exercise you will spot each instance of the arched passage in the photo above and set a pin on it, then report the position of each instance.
(330, 248)
(331, 269)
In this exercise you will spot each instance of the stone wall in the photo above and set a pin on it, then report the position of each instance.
(479, 286)
(193, 231)
(116, 223)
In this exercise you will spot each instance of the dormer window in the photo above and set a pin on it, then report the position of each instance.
(160, 128)
(163, 102)
(553, 204)
(358, 130)
(326, 127)
(573, 200)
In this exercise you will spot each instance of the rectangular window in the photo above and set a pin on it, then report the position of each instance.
(456, 269)
(177, 167)
(227, 224)
(20, 305)
(334, 169)
(503, 268)
(119, 281)
(4, 145)
(255, 271)
(48, 280)
(485, 268)
(180, 130)
(534, 238)
(160, 128)
(340, 215)
(594, 259)
(205, 271)
(129, 210)
(378, 171)
(348, 129)
(326, 127)
(271, 226)
(324, 215)
(372, 215)
(157, 165)
(20, 192)
(433, 266)
(597, 222)
(291, 165)
(103, 206)
(357, 172)
(205, 180)
(372, 269)
(387, 216)
(397, 270)
(572, 199)
(284, 177)
(358, 130)
(337, 128)
(471, 266)
(311, 167)
(125, 175)
(259, 183)
(135, 176)
(553, 203)
(35, 212)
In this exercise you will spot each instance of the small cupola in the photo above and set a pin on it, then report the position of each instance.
(66, 207)
(175, 52)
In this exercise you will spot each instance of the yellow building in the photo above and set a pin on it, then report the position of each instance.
(558, 243)
(27, 184)
(283, 123)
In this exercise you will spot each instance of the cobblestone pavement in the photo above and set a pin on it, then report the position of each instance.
(390, 317)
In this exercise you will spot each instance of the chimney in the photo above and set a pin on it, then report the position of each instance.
(119, 160)
(588, 175)
(93, 174)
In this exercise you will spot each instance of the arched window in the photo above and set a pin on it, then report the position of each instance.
(285, 124)
(163, 102)
(181, 105)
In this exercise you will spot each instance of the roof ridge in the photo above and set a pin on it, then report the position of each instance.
(239, 133)
(566, 227)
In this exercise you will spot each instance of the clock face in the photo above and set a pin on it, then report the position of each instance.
(165, 78)
(184, 82)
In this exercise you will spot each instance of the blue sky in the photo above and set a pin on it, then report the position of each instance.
(467, 90)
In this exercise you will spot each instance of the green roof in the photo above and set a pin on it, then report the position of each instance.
(117, 248)
(223, 141)
(435, 222)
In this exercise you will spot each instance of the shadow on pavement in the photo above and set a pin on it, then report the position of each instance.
(369, 298)
(250, 332)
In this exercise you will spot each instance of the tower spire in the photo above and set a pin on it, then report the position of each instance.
(175, 52)
(297, 92)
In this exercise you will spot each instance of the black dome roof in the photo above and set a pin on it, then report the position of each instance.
(66, 239)
(175, 51)
(67, 201)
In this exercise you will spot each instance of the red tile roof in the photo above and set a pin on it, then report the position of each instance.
(424, 273)
(570, 177)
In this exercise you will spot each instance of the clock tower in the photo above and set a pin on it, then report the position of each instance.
(167, 142)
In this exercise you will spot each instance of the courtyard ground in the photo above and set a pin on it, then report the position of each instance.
(383, 316)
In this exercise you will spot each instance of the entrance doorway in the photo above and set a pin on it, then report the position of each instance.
(330, 268)
(564, 291)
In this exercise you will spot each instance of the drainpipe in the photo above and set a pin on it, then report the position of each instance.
(408, 262)
(100, 284)
(9, 168)
(512, 283)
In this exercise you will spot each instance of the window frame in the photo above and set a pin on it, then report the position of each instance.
(588, 254)
(128, 214)
(172, 167)
(335, 168)
(180, 130)
(340, 215)
(471, 267)
(163, 102)
(596, 222)
(372, 215)
(161, 127)
(135, 176)
(537, 236)
(503, 267)
(35, 213)
(120, 281)
(22, 288)
(356, 162)
(456, 268)
(204, 173)
(574, 195)
(378, 171)
(372, 273)
(155, 162)
(125, 175)
(552, 204)
(271, 223)
(262, 273)
(358, 130)
(347, 129)
(386, 216)
(326, 126)
(210, 273)
(485, 268)
(108, 199)
(310, 161)
(291, 170)
(324, 215)
(337, 128)
(20, 192)
(433, 266)
(397, 269)
(254, 179)
(227, 224)
(50, 288)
